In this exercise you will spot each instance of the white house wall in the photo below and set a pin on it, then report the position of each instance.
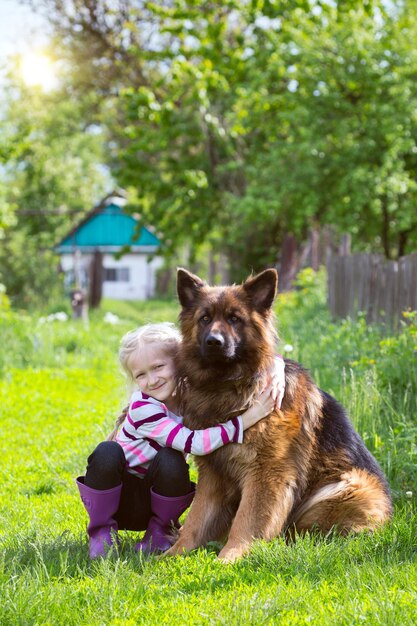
(142, 278)
(142, 275)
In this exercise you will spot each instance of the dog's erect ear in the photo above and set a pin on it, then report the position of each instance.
(188, 287)
(262, 289)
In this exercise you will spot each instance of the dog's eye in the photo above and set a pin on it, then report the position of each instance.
(205, 319)
(233, 319)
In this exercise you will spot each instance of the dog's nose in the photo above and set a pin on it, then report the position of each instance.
(215, 340)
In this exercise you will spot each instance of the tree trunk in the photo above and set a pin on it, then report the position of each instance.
(96, 280)
(385, 229)
(289, 262)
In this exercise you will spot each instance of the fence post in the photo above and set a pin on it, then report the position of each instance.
(368, 282)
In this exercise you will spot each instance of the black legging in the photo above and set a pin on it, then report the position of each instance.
(167, 475)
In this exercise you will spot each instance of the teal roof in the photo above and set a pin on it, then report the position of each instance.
(107, 227)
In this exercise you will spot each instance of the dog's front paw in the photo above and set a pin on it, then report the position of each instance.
(174, 550)
(230, 555)
(168, 552)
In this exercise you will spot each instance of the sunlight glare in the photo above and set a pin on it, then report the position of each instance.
(38, 70)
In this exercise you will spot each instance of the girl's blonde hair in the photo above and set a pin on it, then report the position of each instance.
(164, 333)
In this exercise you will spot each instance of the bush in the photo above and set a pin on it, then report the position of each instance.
(29, 273)
(371, 369)
(4, 300)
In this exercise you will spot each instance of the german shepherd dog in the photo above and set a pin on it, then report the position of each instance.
(302, 467)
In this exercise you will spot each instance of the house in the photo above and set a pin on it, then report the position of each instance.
(88, 252)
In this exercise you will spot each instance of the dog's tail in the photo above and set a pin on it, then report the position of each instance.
(325, 493)
(356, 502)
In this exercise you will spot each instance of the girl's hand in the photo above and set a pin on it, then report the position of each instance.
(278, 380)
(262, 406)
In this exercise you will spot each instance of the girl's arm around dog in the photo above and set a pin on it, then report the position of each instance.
(149, 419)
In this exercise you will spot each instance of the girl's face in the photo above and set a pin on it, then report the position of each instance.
(153, 371)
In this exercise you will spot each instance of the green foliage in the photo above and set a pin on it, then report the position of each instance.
(61, 389)
(273, 117)
(231, 124)
(177, 126)
(4, 300)
(50, 175)
(351, 344)
(29, 274)
(369, 368)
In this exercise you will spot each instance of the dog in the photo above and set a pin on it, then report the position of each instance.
(303, 467)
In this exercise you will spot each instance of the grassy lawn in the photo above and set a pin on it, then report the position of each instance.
(60, 389)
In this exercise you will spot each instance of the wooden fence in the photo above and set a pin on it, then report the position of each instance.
(367, 282)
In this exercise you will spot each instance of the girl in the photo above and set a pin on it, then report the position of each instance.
(140, 480)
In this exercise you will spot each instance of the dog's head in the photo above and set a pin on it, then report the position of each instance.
(226, 324)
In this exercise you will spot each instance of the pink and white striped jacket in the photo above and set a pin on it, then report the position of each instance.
(149, 426)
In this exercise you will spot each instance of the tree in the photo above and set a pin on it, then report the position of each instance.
(238, 122)
(346, 151)
(177, 127)
(264, 124)
(52, 172)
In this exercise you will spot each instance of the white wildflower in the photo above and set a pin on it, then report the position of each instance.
(60, 316)
(409, 494)
(288, 347)
(111, 318)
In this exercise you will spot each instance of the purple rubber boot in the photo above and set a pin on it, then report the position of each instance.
(165, 514)
(100, 505)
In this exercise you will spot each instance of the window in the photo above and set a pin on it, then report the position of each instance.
(116, 274)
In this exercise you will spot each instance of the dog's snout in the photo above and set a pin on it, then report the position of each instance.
(215, 340)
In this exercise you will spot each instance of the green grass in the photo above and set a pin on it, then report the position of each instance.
(60, 389)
